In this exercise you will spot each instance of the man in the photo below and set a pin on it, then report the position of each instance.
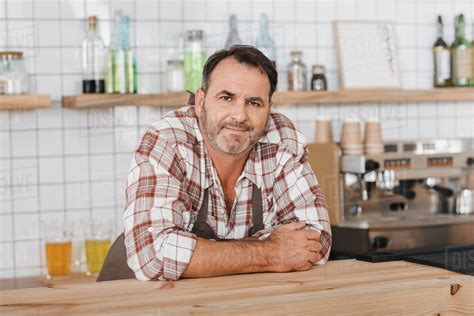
(225, 169)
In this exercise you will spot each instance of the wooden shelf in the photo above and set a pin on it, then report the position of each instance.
(24, 101)
(282, 97)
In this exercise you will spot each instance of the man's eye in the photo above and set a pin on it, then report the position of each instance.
(254, 103)
(226, 98)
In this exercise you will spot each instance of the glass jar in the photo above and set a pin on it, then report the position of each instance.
(175, 78)
(297, 72)
(13, 76)
(194, 58)
(318, 81)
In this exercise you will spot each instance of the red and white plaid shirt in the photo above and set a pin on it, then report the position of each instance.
(172, 168)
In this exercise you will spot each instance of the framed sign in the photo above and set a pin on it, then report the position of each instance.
(367, 55)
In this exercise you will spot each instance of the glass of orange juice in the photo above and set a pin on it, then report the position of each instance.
(97, 233)
(58, 247)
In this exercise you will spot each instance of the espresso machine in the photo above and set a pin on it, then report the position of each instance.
(404, 198)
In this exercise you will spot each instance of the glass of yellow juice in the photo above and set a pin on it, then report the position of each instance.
(58, 247)
(97, 233)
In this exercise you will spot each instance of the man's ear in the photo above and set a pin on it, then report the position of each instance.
(199, 100)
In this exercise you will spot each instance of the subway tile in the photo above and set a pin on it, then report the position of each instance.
(426, 34)
(3, 11)
(103, 194)
(26, 226)
(387, 11)
(20, 9)
(122, 165)
(447, 127)
(242, 9)
(306, 35)
(148, 34)
(217, 10)
(76, 141)
(51, 198)
(27, 255)
(147, 10)
(428, 128)
(50, 142)
(6, 229)
(126, 6)
(406, 11)
(48, 33)
(6, 259)
(73, 118)
(51, 170)
(99, 8)
(150, 83)
(72, 9)
(49, 117)
(101, 140)
(149, 60)
(465, 109)
(409, 129)
(77, 169)
(5, 144)
(148, 115)
(465, 127)
(126, 139)
(102, 167)
(72, 32)
(171, 10)
(71, 59)
(405, 35)
(23, 143)
(194, 10)
(50, 85)
(72, 85)
(26, 272)
(23, 119)
(48, 61)
(46, 9)
(100, 118)
(21, 33)
(325, 10)
(305, 10)
(77, 196)
(126, 116)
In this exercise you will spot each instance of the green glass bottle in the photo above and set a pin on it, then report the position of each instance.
(194, 59)
(460, 56)
(442, 67)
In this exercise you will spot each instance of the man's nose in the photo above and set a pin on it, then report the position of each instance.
(238, 111)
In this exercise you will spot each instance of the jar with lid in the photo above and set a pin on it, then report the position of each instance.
(13, 76)
(318, 81)
(175, 78)
(297, 72)
(194, 58)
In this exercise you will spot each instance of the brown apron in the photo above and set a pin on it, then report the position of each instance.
(115, 265)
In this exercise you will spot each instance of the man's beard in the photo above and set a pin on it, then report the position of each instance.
(230, 144)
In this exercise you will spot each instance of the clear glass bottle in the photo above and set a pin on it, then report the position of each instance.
(318, 81)
(297, 72)
(472, 56)
(460, 56)
(14, 78)
(93, 60)
(194, 59)
(264, 41)
(233, 38)
(441, 58)
(116, 70)
(175, 78)
(131, 83)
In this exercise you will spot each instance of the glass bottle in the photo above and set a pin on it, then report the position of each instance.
(264, 41)
(13, 75)
(441, 58)
(472, 56)
(93, 54)
(318, 81)
(116, 71)
(194, 59)
(175, 76)
(233, 37)
(131, 84)
(460, 56)
(296, 72)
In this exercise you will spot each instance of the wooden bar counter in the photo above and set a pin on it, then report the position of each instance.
(339, 287)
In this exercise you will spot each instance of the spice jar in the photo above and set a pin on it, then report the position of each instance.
(175, 78)
(318, 81)
(13, 75)
(296, 72)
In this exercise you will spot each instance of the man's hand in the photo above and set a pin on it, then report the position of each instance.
(293, 248)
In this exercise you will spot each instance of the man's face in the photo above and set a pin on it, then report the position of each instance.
(234, 112)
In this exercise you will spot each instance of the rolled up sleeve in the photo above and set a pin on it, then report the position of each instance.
(298, 197)
(158, 245)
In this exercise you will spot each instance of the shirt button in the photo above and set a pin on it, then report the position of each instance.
(150, 229)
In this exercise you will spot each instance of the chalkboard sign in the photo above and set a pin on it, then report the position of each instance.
(367, 55)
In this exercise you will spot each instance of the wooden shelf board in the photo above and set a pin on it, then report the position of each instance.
(24, 101)
(282, 97)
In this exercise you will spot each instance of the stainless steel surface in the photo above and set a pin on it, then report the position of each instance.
(464, 202)
(409, 196)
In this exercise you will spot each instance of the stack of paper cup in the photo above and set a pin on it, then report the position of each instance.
(351, 142)
(373, 143)
(323, 130)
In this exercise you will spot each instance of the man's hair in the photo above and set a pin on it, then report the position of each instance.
(244, 54)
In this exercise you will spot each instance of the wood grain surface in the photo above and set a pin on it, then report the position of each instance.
(24, 101)
(340, 287)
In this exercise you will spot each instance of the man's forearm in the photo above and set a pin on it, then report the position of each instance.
(213, 258)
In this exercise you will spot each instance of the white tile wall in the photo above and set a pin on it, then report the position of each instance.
(57, 161)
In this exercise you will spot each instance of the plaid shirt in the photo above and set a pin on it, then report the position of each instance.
(172, 168)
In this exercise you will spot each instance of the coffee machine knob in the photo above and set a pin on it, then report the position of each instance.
(470, 161)
(380, 242)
